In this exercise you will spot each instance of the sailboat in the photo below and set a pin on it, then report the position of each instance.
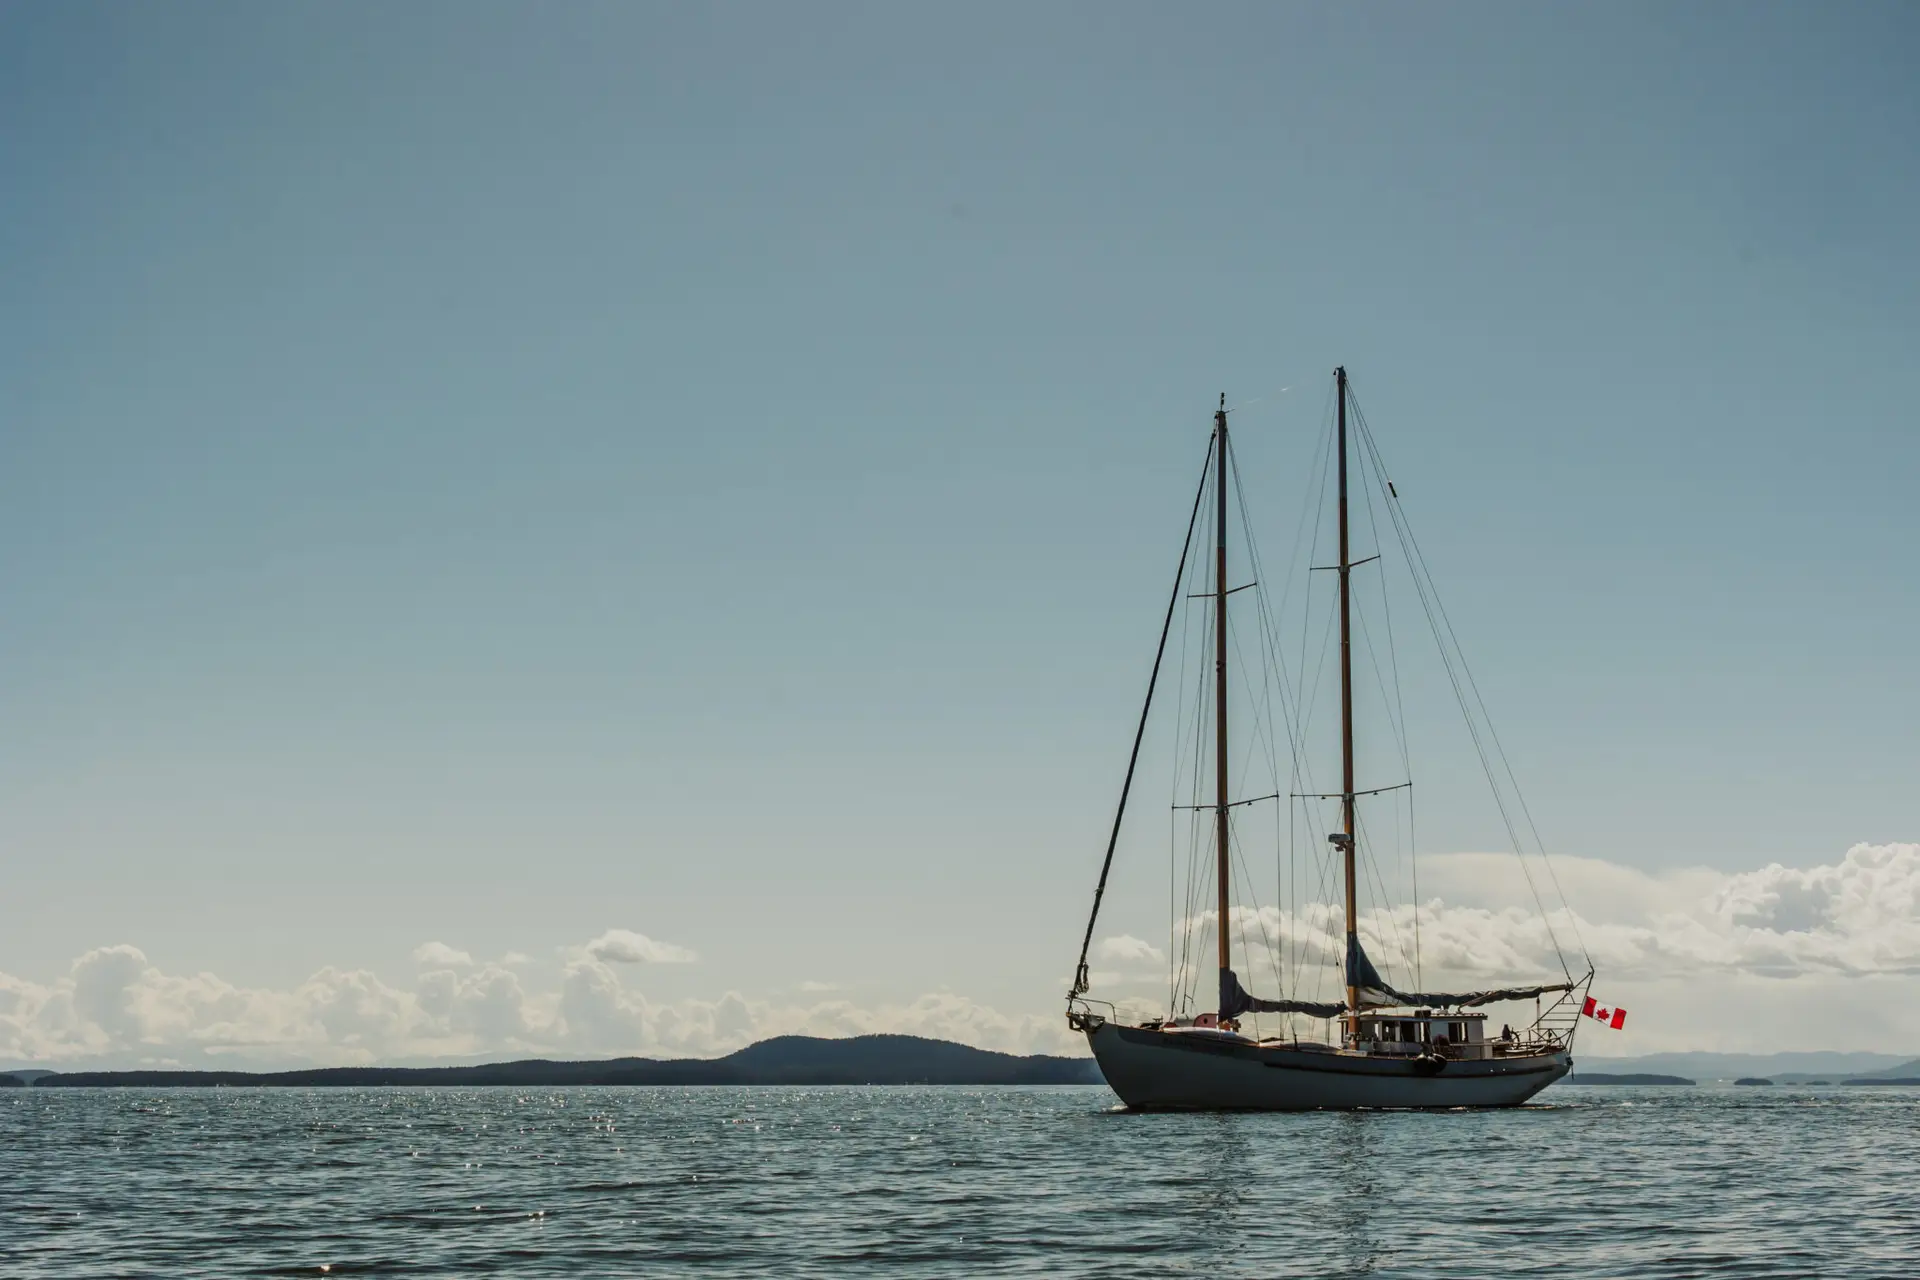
(1393, 1048)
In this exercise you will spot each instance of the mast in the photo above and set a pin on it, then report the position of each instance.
(1346, 709)
(1221, 851)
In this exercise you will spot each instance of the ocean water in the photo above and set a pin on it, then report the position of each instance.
(1590, 1182)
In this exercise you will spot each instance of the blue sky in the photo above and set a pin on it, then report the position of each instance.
(497, 473)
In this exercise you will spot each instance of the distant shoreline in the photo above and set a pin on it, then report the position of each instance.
(1634, 1077)
(785, 1060)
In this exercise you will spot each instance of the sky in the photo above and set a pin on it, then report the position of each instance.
(626, 528)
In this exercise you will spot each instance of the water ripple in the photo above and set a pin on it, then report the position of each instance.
(1647, 1184)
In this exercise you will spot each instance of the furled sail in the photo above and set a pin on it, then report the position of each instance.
(1235, 1000)
(1374, 993)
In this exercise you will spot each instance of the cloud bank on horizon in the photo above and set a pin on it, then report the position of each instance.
(1859, 918)
(1755, 959)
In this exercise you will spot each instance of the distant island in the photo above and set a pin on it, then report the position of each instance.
(1884, 1080)
(789, 1060)
(12, 1082)
(1753, 1080)
(1784, 1068)
(1636, 1077)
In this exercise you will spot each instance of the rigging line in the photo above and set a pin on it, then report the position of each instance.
(1261, 716)
(1189, 973)
(1202, 719)
(1369, 455)
(1380, 681)
(1320, 670)
(1273, 940)
(1262, 613)
(1265, 727)
(1106, 865)
(1493, 733)
(1258, 735)
(1273, 663)
(1315, 474)
(1314, 820)
(1259, 919)
(1250, 906)
(1363, 865)
(1188, 905)
(1324, 867)
(1173, 862)
(1306, 942)
(1261, 732)
(1331, 876)
(1299, 716)
(1238, 916)
(1173, 786)
(1301, 772)
(1201, 830)
(1310, 695)
(1339, 795)
(1385, 901)
(1259, 399)
(1196, 845)
(1480, 749)
(1274, 660)
(1413, 860)
(1373, 662)
(1322, 892)
(1296, 819)
(1283, 880)
(1270, 644)
(1327, 867)
(1231, 804)
(1185, 942)
(1386, 612)
(1428, 594)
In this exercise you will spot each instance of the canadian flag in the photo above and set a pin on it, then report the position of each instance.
(1613, 1017)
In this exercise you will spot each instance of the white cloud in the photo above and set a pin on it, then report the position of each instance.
(115, 1008)
(1705, 959)
(1126, 949)
(597, 1013)
(1823, 954)
(1859, 917)
(623, 946)
(438, 955)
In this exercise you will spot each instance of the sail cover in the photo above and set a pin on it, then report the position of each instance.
(1235, 1000)
(1374, 993)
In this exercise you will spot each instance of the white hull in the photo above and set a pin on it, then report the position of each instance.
(1153, 1070)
